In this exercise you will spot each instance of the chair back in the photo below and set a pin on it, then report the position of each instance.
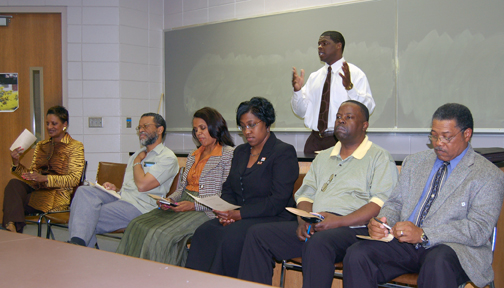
(176, 182)
(111, 172)
(298, 183)
(81, 182)
(83, 176)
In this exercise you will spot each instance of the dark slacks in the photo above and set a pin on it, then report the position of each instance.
(315, 143)
(279, 241)
(368, 263)
(217, 249)
(15, 206)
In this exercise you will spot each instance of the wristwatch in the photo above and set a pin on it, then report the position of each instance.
(425, 239)
(14, 167)
(349, 87)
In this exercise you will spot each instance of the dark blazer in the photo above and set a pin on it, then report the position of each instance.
(265, 189)
(464, 213)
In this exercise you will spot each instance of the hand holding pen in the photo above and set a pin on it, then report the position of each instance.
(378, 228)
(304, 230)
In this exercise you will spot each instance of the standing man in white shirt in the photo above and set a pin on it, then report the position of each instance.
(318, 101)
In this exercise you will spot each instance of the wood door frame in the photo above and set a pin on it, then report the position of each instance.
(50, 9)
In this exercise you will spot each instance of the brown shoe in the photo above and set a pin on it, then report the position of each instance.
(11, 227)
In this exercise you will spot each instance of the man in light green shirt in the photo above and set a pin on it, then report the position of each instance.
(150, 170)
(364, 177)
(347, 184)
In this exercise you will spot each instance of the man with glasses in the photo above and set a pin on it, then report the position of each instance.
(347, 184)
(150, 170)
(441, 213)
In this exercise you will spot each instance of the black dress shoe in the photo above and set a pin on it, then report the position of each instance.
(77, 241)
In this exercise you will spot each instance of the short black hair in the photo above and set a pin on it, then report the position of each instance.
(454, 111)
(260, 107)
(60, 112)
(363, 108)
(336, 37)
(216, 124)
(159, 121)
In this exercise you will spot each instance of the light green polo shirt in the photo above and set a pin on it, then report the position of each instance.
(161, 163)
(368, 175)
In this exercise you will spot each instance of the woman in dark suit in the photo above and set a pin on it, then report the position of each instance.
(263, 172)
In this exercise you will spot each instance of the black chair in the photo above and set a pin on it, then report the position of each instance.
(403, 281)
(39, 218)
(107, 172)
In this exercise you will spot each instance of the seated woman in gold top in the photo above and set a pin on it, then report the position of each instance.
(55, 170)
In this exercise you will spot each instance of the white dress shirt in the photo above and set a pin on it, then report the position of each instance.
(306, 102)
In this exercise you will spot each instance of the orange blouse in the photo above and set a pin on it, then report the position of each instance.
(196, 169)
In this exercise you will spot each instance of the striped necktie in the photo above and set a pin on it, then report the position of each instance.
(435, 186)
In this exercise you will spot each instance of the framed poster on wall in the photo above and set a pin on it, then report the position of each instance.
(9, 96)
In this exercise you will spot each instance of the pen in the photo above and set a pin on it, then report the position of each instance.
(307, 232)
(324, 187)
(379, 221)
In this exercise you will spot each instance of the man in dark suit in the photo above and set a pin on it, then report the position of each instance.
(442, 213)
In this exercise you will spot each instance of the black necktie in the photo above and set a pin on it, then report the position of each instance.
(324, 103)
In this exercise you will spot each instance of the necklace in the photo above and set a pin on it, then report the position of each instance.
(253, 155)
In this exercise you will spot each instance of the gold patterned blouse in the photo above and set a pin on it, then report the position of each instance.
(63, 163)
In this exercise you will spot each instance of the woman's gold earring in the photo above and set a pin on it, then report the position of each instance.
(64, 129)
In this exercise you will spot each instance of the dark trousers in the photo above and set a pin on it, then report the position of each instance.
(266, 242)
(368, 263)
(15, 206)
(217, 249)
(315, 143)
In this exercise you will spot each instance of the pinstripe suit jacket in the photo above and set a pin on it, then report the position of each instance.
(464, 213)
(214, 173)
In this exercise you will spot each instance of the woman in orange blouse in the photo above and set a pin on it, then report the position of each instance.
(161, 234)
(55, 170)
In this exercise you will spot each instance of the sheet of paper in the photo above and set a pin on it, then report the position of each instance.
(301, 213)
(111, 192)
(384, 239)
(24, 140)
(215, 203)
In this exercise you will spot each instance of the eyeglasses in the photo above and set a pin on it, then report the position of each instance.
(250, 126)
(443, 139)
(144, 127)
